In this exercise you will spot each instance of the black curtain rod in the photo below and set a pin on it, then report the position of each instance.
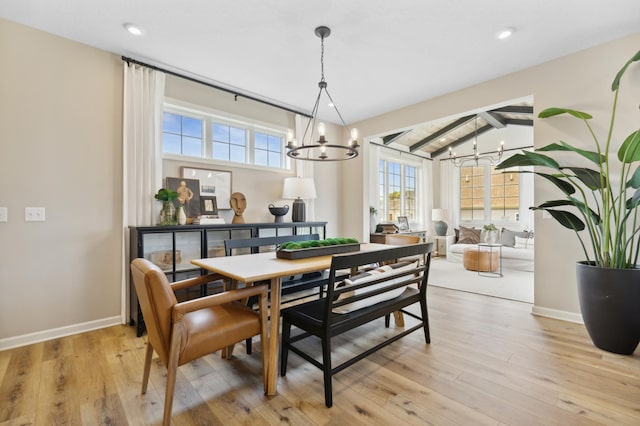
(401, 151)
(224, 89)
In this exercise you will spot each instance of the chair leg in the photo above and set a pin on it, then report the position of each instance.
(284, 346)
(172, 371)
(425, 320)
(398, 317)
(387, 320)
(147, 367)
(326, 368)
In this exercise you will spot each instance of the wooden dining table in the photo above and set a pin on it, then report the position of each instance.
(251, 268)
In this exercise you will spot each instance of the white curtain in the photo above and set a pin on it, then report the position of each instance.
(141, 157)
(450, 193)
(305, 168)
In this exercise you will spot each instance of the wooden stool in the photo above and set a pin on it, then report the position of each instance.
(480, 259)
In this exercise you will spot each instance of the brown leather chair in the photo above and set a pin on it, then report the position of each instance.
(182, 332)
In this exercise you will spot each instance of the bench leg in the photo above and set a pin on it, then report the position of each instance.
(284, 348)
(425, 319)
(326, 364)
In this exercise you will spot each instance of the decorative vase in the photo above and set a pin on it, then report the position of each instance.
(168, 214)
(372, 223)
(491, 237)
(181, 216)
(609, 305)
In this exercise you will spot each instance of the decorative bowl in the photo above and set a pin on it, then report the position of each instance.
(278, 212)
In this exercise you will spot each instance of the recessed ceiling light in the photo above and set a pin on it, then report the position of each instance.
(330, 105)
(133, 29)
(443, 139)
(506, 33)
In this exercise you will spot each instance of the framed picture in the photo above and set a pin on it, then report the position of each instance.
(188, 194)
(213, 183)
(208, 206)
(403, 223)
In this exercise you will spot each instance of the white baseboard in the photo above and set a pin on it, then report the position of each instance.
(54, 333)
(556, 314)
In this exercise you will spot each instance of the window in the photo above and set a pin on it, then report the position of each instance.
(268, 150)
(181, 135)
(397, 190)
(201, 134)
(497, 201)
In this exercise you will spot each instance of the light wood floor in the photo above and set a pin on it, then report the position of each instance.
(490, 362)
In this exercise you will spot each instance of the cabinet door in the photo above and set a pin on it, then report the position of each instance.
(188, 247)
(158, 248)
(215, 240)
(265, 231)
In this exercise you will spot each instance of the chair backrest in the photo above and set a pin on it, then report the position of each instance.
(156, 298)
(256, 243)
(401, 240)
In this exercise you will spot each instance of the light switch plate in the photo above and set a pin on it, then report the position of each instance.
(4, 214)
(34, 214)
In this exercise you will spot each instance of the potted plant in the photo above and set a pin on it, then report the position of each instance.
(605, 198)
(491, 234)
(168, 212)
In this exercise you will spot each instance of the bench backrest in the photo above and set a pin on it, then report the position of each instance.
(373, 286)
(256, 243)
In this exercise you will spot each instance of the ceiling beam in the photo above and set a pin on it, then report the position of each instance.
(519, 122)
(393, 137)
(461, 140)
(496, 120)
(440, 133)
(515, 109)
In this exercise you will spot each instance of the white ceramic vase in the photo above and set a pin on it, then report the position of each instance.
(182, 216)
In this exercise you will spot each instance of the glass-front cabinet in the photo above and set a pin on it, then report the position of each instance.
(172, 248)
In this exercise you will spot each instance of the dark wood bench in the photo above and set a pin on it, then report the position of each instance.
(357, 301)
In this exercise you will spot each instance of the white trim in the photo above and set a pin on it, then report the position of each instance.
(54, 333)
(556, 314)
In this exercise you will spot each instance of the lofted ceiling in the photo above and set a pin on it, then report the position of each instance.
(381, 55)
(435, 138)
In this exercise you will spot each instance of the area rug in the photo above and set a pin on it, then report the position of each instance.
(513, 285)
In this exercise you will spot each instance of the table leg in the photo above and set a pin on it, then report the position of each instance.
(274, 337)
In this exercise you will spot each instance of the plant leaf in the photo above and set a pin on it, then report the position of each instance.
(616, 81)
(528, 158)
(564, 186)
(575, 203)
(550, 112)
(630, 149)
(634, 201)
(566, 219)
(634, 181)
(563, 146)
(590, 178)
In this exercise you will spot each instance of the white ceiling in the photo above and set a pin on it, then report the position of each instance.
(382, 55)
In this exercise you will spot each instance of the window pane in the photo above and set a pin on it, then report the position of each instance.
(192, 127)
(275, 144)
(220, 133)
(192, 147)
(238, 136)
(170, 123)
(261, 157)
(261, 141)
(171, 144)
(237, 154)
(274, 159)
(220, 151)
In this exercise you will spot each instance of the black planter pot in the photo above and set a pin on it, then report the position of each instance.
(610, 304)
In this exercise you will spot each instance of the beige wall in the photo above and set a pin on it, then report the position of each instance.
(580, 81)
(61, 133)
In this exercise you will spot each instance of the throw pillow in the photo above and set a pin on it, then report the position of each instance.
(469, 235)
(371, 275)
(508, 238)
(524, 242)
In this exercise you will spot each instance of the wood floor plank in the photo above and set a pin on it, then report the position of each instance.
(490, 362)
